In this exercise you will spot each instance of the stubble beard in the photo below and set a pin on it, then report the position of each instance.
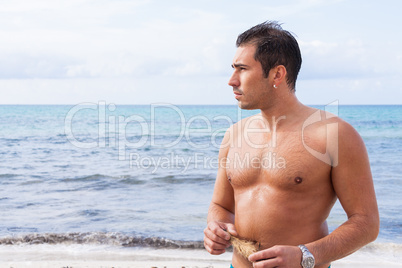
(246, 106)
(250, 104)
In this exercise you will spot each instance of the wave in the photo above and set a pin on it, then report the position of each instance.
(93, 177)
(100, 238)
(8, 176)
(385, 249)
(128, 179)
(176, 179)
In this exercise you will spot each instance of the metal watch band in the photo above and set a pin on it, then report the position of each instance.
(308, 260)
(303, 249)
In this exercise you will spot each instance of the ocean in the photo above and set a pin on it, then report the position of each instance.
(143, 176)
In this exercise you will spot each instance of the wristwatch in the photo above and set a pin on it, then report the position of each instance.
(308, 260)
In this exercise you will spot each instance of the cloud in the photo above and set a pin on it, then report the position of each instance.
(89, 39)
(169, 49)
(283, 9)
(350, 59)
(30, 66)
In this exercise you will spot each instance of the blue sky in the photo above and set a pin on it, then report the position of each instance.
(180, 52)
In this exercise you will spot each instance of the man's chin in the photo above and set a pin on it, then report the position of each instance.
(245, 106)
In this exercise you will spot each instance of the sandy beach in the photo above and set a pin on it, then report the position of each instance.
(79, 256)
(110, 264)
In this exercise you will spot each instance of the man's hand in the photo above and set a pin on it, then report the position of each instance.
(277, 256)
(217, 237)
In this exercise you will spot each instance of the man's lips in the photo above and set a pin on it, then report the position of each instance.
(237, 94)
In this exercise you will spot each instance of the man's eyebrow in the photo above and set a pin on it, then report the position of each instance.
(237, 65)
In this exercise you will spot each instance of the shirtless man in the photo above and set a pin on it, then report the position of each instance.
(282, 170)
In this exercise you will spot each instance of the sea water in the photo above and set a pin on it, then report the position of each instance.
(144, 175)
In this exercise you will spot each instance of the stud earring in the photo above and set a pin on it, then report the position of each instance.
(275, 86)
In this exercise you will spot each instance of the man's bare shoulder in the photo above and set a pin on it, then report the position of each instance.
(349, 137)
(319, 120)
(331, 124)
(327, 133)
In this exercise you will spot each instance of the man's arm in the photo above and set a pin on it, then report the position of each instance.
(221, 211)
(352, 181)
(353, 184)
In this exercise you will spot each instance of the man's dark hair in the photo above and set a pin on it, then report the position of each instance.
(275, 46)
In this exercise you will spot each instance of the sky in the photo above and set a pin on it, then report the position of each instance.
(180, 52)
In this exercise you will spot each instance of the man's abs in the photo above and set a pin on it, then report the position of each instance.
(278, 219)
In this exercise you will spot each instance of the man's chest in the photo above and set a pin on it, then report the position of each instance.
(283, 164)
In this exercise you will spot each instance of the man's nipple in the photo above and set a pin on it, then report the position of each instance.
(298, 180)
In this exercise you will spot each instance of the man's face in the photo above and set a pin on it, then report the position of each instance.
(251, 89)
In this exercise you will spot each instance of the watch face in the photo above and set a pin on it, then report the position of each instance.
(308, 262)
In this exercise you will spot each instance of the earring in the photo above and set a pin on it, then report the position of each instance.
(275, 86)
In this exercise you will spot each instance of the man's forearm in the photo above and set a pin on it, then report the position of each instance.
(218, 213)
(356, 232)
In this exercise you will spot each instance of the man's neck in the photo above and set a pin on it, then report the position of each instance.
(286, 108)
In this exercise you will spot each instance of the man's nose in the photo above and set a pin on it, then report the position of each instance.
(234, 80)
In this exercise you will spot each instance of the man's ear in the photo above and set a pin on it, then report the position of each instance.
(279, 74)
